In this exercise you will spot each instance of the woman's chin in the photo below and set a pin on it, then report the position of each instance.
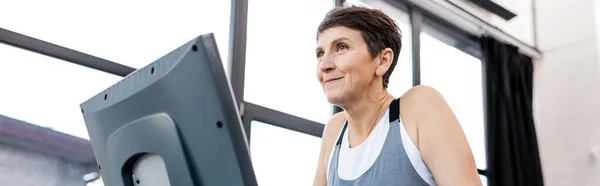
(334, 98)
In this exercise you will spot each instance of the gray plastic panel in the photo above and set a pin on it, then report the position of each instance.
(155, 134)
(190, 87)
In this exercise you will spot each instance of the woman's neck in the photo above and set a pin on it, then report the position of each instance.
(364, 114)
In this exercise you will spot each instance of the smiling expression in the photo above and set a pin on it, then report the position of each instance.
(345, 69)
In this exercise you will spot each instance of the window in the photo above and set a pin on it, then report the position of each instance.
(283, 157)
(402, 77)
(280, 61)
(457, 76)
(131, 33)
(46, 91)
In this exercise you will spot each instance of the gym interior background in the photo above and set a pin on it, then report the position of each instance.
(56, 54)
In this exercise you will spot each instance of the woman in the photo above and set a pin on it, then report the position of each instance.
(378, 139)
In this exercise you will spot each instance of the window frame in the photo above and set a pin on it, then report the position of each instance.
(420, 20)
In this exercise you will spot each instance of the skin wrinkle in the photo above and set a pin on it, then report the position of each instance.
(362, 63)
(361, 71)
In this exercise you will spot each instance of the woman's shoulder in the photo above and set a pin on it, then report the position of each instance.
(330, 134)
(419, 99)
(334, 126)
(421, 93)
(418, 102)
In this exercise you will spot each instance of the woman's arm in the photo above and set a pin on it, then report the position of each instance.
(320, 175)
(330, 132)
(440, 139)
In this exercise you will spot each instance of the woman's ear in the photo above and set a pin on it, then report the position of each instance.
(386, 56)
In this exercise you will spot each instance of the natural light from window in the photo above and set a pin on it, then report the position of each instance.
(280, 67)
(457, 76)
(47, 92)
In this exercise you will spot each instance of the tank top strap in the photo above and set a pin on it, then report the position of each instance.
(340, 137)
(395, 110)
(394, 115)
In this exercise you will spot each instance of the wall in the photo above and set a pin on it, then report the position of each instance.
(597, 22)
(20, 167)
(567, 92)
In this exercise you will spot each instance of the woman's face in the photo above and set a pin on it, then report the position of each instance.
(345, 69)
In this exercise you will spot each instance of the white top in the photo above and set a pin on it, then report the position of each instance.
(355, 161)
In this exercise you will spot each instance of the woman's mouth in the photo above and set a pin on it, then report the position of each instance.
(331, 80)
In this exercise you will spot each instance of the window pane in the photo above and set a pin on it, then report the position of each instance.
(283, 157)
(280, 63)
(46, 91)
(133, 33)
(401, 79)
(457, 76)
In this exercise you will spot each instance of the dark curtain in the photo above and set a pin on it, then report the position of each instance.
(512, 148)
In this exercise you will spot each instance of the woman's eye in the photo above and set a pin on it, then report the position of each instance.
(319, 54)
(342, 47)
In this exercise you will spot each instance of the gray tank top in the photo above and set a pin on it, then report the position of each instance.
(392, 166)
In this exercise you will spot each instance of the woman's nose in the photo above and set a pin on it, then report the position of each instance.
(326, 64)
